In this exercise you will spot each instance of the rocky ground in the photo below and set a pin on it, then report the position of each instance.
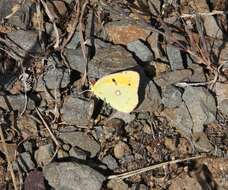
(55, 134)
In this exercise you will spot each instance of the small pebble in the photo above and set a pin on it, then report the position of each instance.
(121, 149)
(110, 162)
(44, 154)
(117, 184)
(170, 144)
(62, 154)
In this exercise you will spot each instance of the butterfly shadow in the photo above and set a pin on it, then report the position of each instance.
(149, 96)
(143, 83)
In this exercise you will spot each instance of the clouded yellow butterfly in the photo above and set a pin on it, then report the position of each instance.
(120, 90)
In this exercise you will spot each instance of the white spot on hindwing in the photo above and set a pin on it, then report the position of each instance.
(117, 92)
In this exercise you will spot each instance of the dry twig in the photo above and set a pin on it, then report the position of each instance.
(142, 170)
(214, 12)
(52, 19)
(47, 127)
(73, 23)
(8, 159)
(82, 41)
(38, 21)
(24, 77)
(50, 132)
(15, 8)
(185, 84)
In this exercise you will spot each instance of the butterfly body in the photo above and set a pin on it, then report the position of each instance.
(120, 90)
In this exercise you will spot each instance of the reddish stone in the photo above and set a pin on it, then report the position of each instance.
(120, 33)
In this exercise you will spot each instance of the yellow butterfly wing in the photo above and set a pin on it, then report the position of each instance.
(120, 90)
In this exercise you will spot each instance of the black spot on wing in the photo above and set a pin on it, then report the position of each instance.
(114, 81)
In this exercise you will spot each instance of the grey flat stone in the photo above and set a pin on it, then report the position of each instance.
(27, 40)
(180, 119)
(72, 176)
(149, 97)
(16, 102)
(140, 50)
(174, 56)
(24, 162)
(183, 120)
(109, 60)
(56, 77)
(75, 59)
(173, 77)
(77, 111)
(77, 62)
(211, 27)
(198, 73)
(201, 105)
(171, 97)
(82, 141)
